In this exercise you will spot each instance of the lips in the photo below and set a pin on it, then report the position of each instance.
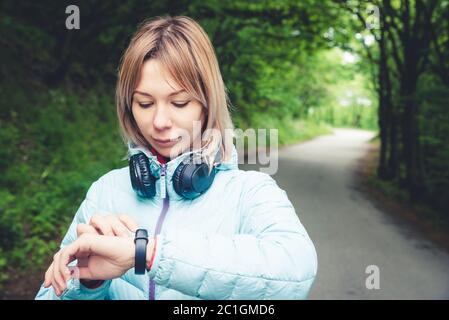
(167, 140)
(165, 143)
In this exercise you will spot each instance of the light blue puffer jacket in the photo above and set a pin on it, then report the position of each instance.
(241, 239)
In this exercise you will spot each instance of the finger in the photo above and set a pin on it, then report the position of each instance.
(108, 247)
(85, 228)
(55, 286)
(53, 281)
(80, 230)
(57, 279)
(64, 272)
(118, 228)
(128, 222)
(80, 247)
(100, 223)
(48, 276)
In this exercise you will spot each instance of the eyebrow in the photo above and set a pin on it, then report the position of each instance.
(149, 95)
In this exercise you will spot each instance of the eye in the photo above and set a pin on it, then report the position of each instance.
(180, 104)
(145, 105)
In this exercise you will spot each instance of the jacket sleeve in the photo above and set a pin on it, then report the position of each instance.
(75, 290)
(272, 257)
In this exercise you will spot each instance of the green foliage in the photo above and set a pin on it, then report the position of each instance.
(282, 62)
(47, 169)
(58, 126)
(434, 128)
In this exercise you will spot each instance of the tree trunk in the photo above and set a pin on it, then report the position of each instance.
(382, 111)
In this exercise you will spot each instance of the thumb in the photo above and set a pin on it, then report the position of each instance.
(128, 222)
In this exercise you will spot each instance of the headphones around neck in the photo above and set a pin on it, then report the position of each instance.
(190, 179)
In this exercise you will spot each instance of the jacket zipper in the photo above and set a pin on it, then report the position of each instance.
(160, 221)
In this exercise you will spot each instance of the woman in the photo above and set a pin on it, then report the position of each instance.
(231, 234)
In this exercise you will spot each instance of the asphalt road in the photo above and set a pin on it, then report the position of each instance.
(349, 232)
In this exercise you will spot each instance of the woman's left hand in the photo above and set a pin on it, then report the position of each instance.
(108, 257)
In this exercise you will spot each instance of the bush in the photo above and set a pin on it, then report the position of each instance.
(47, 165)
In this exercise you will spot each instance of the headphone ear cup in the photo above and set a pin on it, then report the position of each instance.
(142, 181)
(191, 180)
(177, 179)
(201, 179)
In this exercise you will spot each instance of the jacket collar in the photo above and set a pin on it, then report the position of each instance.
(156, 167)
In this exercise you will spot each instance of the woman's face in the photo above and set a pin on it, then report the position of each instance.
(163, 111)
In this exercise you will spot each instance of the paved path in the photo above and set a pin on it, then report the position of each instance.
(349, 232)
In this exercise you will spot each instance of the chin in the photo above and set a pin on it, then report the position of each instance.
(164, 151)
(171, 152)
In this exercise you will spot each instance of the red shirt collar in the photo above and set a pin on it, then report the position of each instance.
(160, 157)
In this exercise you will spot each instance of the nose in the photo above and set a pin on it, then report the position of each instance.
(162, 118)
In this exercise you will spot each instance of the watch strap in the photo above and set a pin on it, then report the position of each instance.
(141, 241)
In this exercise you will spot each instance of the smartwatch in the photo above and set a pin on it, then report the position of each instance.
(141, 241)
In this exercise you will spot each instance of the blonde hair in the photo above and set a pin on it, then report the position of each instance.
(185, 51)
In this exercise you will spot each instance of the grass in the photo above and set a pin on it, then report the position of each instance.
(430, 223)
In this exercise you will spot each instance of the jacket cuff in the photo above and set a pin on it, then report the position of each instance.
(76, 291)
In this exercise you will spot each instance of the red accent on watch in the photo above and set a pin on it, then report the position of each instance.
(153, 253)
